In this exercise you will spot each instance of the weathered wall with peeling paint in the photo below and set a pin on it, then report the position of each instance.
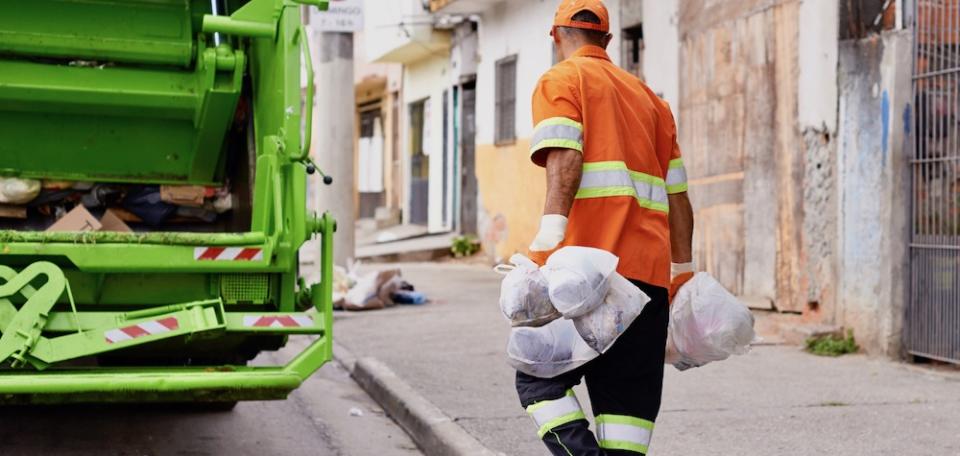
(738, 109)
(796, 150)
(817, 124)
(512, 193)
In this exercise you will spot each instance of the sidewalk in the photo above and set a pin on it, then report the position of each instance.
(776, 400)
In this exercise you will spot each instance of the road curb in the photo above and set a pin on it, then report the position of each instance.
(434, 432)
(344, 357)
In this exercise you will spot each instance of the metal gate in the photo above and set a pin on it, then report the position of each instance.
(933, 312)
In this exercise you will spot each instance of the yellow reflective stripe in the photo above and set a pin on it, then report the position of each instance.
(557, 132)
(603, 192)
(552, 413)
(614, 178)
(559, 121)
(622, 166)
(676, 177)
(605, 166)
(570, 417)
(539, 405)
(619, 445)
(557, 143)
(679, 188)
(652, 180)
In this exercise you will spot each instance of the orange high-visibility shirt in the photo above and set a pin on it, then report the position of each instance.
(631, 159)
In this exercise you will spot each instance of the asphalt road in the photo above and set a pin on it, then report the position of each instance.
(328, 415)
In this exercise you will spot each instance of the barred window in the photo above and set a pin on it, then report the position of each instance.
(505, 130)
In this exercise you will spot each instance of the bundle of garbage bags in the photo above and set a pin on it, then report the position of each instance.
(372, 290)
(575, 307)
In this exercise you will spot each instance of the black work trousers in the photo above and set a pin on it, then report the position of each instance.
(625, 386)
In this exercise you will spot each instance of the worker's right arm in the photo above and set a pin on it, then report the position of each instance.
(564, 170)
(557, 145)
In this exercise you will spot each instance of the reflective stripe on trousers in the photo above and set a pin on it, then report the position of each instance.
(550, 414)
(619, 432)
(613, 178)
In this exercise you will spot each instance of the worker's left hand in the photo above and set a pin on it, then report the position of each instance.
(681, 274)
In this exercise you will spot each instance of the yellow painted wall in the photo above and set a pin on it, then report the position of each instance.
(512, 192)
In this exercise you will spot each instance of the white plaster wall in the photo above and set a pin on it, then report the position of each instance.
(521, 27)
(364, 69)
(661, 54)
(817, 86)
(464, 54)
(390, 24)
(427, 79)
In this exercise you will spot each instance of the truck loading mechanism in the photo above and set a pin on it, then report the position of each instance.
(167, 92)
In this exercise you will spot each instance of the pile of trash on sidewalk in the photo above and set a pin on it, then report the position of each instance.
(29, 204)
(574, 308)
(372, 290)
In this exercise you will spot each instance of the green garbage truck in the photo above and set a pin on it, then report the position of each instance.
(161, 152)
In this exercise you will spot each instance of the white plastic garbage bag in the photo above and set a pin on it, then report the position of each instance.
(598, 305)
(601, 327)
(18, 191)
(578, 278)
(549, 350)
(673, 357)
(707, 324)
(524, 298)
(565, 344)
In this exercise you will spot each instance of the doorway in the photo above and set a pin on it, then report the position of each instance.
(419, 164)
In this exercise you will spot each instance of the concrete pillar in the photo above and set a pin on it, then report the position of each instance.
(661, 56)
(333, 127)
(874, 164)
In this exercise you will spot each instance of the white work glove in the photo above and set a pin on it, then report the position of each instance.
(679, 268)
(552, 229)
(680, 273)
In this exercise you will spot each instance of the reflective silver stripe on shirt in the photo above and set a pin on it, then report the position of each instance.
(554, 132)
(676, 176)
(622, 178)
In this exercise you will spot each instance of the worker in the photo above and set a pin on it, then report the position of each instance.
(615, 181)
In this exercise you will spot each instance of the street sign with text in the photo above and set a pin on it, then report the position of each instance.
(343, 16)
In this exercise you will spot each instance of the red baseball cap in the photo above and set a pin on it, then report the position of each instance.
(570, 8)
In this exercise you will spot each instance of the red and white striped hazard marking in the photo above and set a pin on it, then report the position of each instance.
(227, 254)
(278, 321)
(149, 328)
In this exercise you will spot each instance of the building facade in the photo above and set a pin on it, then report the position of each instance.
(795, 122)
(434, 111)
(377, 133)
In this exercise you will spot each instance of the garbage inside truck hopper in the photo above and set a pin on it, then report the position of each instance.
(153, 171)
